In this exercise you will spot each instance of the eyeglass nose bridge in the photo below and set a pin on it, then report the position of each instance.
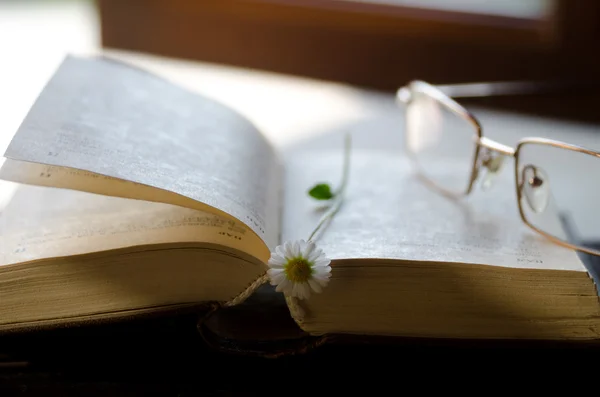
(490, 161)
(496, 146)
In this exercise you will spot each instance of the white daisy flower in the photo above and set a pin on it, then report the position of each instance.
(297, 267)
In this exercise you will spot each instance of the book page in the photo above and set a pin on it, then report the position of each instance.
(389, 213)
(111, 119)
(49, 176)
(40, 223)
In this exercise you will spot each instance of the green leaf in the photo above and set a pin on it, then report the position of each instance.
(321, 191)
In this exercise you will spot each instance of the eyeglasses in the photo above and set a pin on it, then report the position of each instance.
(553, 180)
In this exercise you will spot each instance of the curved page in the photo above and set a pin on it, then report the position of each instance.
(110, 119)
(229, 233)
(40, 223)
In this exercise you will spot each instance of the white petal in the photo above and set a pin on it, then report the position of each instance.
(304, 291)
(276, 261)
(321, 273)
(284, 286)
(273, 272)
(315, 255)
(322, 270)
(276, 275)
(272, 266)
(321, 256)
(278, 279)
(295, 290)
(322, 282)
(315, 285)
(296, 249)
(308, 250)
(287, 250)
(279, 250)
(322, 262)
(301, 247)
(322, 279)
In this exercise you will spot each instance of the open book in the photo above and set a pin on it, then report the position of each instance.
(133, 195)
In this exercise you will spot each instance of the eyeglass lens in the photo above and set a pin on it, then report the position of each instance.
(558, 186)
(436, 137)
(560, 192)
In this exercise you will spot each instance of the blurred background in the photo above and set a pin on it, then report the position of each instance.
(377, 44)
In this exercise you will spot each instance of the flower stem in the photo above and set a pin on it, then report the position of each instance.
(339, 195)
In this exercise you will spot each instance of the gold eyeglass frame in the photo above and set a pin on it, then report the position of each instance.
(404, 95)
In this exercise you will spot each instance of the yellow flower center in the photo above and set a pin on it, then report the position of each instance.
(298, 270)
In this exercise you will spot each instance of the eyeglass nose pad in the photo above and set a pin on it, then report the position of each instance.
(493, 165)
(535, 188)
